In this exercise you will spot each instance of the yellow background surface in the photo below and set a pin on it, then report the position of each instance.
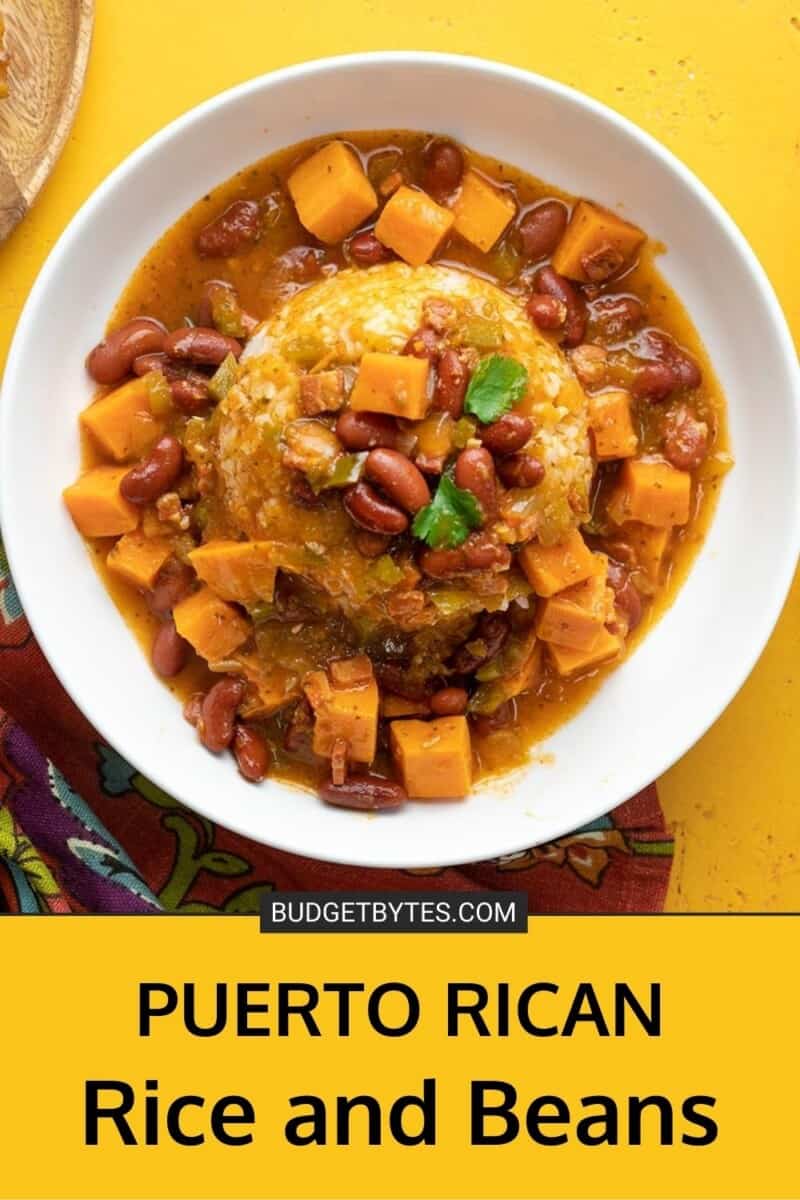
(718, 81)
(728, 1028)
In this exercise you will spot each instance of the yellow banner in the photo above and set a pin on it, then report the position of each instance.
(591, 1057)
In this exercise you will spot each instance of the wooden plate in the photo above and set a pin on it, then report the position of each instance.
(48, 44)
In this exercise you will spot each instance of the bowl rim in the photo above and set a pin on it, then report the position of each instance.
(780, 583)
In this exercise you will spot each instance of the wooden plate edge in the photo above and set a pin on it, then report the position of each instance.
(10, 218)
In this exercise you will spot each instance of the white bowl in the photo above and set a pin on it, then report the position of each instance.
(652, 709)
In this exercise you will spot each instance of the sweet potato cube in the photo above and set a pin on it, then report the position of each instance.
(138, 559)
(392, 383)
(434, 757)
(393, 707)
(612, 426)
(331, 192)
(649, 546)
(482, 211)
(576, 617)
(351, 672)
(240, 571)
(563, 623)
(567, 660)
(413, 225)
(550, 569)
(122, 423)
(596, 244)
(653, 492)
(212, 627)
(344, 709)
(97, 506)
(593, 594)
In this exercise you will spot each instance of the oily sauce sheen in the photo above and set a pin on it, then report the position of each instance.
(168, 285)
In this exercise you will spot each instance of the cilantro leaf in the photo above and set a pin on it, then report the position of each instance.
(497, 384)
(449, 517)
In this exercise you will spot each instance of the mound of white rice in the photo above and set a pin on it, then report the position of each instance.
(333, 324)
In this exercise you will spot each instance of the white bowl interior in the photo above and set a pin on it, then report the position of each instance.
(660, 701)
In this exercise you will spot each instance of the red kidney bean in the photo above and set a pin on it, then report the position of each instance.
(443, 563)
(521, 470)
(365, 431)
(144, 363)
(301, 264)
(301, 491)
(231, 232)
(112, 359)
(172, 584)
(483, 552)
(169, 650)
(685, 439)
(665, 350)
(251, 751)
(218, 713)
(443, 167)
(452, 378)
(449, 702)
(614, 318)
(371, 793)
(480, 552)
(371, 545)
(546, 312)
(200, 345)
(689, 374)
(366, 250)
(193, 708)
(506, 435)
(590, 364)
(368, 510)
(654, 381)
(424, 343)
(492, 630)
(623, 552)
(189, 388)
(626, 596)
(601, 262)
(190, 395)
(474, 472)
(173, 370)
(155, 474)
(541, 229)
(617, 575)
(397, 476)
(549, 282)
(486, 723)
